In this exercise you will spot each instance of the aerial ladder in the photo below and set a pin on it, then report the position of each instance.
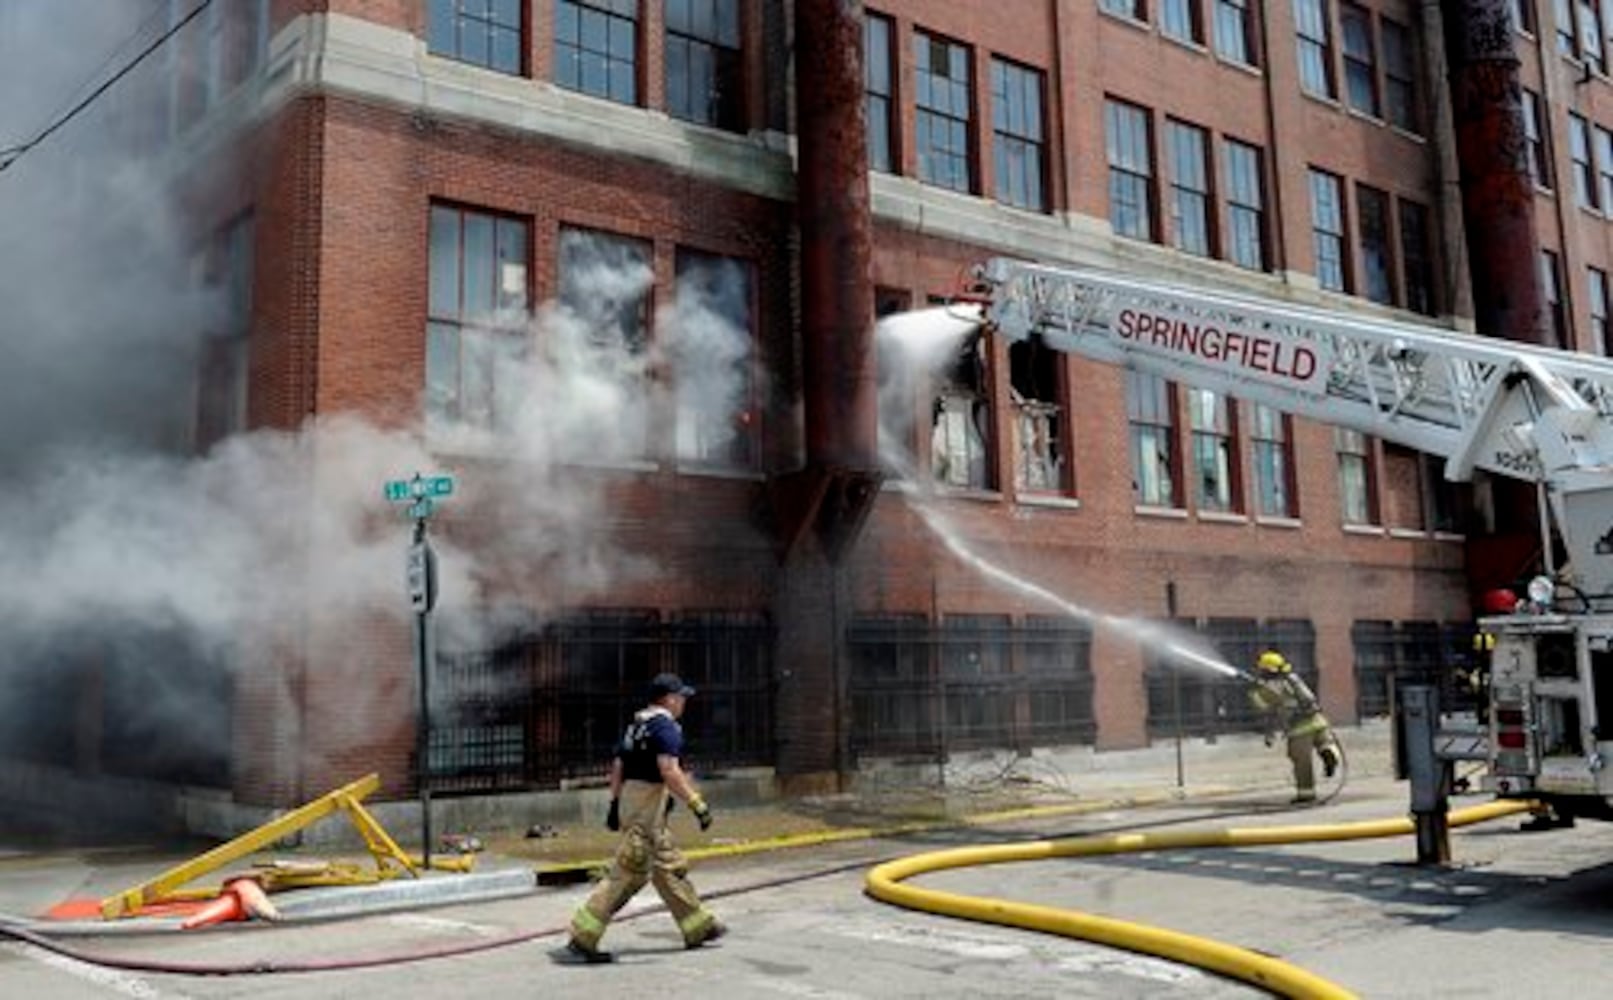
(1526, 412)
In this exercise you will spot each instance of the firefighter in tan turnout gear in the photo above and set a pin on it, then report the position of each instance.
(1291, 708)
(645, 777)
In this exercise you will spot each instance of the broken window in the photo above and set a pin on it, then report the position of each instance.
(605, 286)
(959, 452)
(1214, 458)
(1151, 411)
(476, 316)
(1039, 420)
(710, 340)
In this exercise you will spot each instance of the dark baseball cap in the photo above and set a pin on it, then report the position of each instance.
(665, 684)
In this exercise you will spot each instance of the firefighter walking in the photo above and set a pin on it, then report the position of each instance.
(646, 776)
(1291, 708)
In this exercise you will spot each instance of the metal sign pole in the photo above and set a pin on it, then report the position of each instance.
(420, 493)
(422, 659)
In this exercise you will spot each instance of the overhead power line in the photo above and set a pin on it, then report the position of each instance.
(12, 154)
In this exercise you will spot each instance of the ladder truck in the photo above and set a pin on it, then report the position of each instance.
(1532, 413)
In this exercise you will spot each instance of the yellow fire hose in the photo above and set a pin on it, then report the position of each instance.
(885, 883)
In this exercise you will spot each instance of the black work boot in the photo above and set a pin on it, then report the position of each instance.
(576, 951)
(713, 931)
(1330, 762)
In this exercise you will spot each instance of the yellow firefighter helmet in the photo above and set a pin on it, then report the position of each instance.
(1272, 661)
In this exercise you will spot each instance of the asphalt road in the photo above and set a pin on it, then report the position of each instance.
(1519, 914)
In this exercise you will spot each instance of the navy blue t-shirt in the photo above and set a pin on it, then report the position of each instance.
(644, 741)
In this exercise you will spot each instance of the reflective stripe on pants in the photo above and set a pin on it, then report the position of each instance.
(646, 854)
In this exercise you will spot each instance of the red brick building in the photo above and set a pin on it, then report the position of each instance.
(405, 176)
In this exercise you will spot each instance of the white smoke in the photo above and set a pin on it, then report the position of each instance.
(111, 525)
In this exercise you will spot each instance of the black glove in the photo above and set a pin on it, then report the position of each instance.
(613, 816)
(702, 812)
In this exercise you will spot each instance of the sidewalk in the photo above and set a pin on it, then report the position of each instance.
(885, 799)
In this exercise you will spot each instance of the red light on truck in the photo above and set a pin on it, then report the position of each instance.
(1509, 716)
(1511, 739)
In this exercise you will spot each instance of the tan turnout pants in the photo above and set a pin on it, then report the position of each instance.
(1300, 749)
(646, 854)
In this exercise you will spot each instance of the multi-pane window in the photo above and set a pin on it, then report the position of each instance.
(1563, 14)
(596, 47)
(713, 338)
(1327, 229)
(1134, 9)
(1535, 135)
(704, 69)
(1232, 31)
(1357, 478)
(1131, 169)
(1246, 205)
(1523, 15)
(1377, 265)
(879, 90)
(1273, 462)
(1604, 166)
(1190, 187)
(1214, 461)
(1400, 91)
(1551, 286)
(1360, 59)
(1179, 19)
(1151, 412)
(605, 286)
(1579, 148)
(1018, 139)
(1596, 280)
(1416, 258)
(482, 32)
(941, 101)
(1592, 47)
(1311, 22)
(476, 310)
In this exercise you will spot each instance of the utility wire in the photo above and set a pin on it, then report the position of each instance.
(14, 153)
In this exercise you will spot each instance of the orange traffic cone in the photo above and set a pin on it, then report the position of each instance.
(225, 908)
(253, 898)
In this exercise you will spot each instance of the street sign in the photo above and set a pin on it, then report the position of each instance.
(418, 488)
(421, 509)
(421, 577)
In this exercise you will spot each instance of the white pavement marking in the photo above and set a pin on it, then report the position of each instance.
(423, 922)
(1137, 966)
(1068, 955)
(774, 985)
(116, 980)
